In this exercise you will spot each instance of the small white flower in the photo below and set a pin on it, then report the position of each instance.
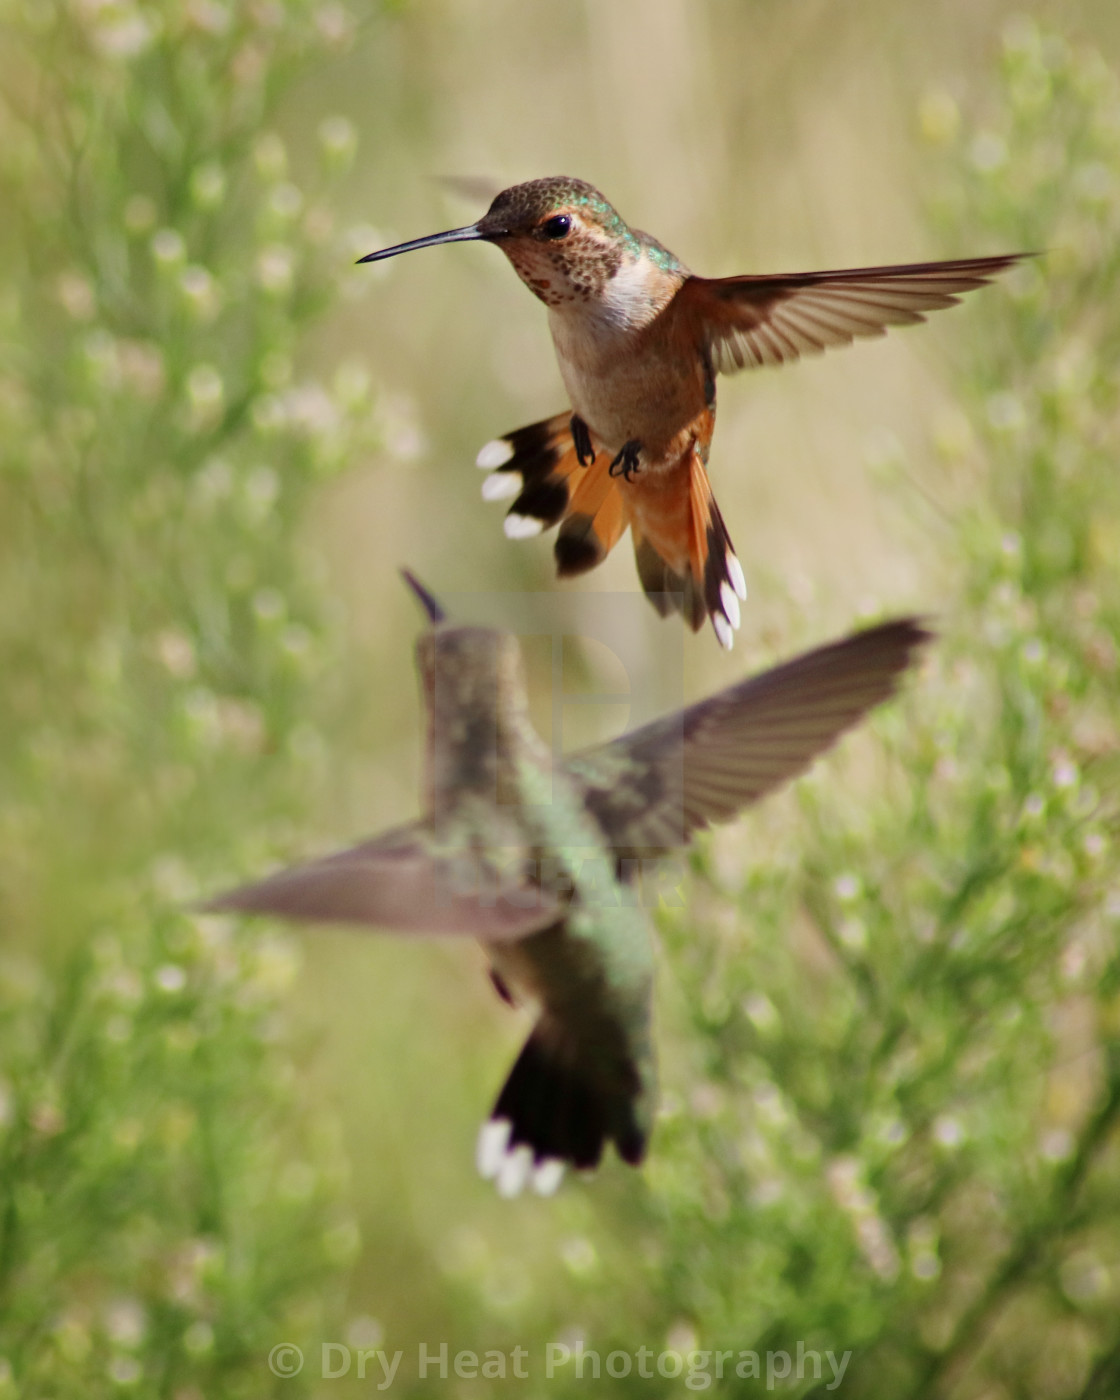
(275, 268)
(75, 294)
(989, 152)
(364, 1331)
(334, 23)
(124, 32)
(925, 1265)
(125, 1322)
(176, 651)
(170, 978)
(269, 604)
(168, 246)
(1057, 1145)
(205, 390)
(761, 1012)
(141, 368)
(311, 409)
(201, 291)
(948, 1131)
(338, 139)
(209, 16)
(848, 887)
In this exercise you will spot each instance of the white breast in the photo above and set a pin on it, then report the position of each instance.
(613, 375)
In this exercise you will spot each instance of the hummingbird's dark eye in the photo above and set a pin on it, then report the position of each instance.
(559, 226)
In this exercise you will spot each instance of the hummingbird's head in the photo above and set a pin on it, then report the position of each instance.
(565, 241)
(469, 673)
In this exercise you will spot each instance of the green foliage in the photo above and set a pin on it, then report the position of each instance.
(888, 1034)
(890, 1037)
(909, 1085)
(165, 1207)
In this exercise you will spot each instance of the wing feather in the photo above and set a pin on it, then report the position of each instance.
(744, 322)
(651, 789)
(399, 883)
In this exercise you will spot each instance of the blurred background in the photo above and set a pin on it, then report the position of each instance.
(224, 439)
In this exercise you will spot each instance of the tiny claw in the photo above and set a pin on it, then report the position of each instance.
(581, 436)
(626, 464)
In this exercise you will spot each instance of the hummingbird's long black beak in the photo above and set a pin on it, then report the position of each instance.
(435, 613)
(470, 234)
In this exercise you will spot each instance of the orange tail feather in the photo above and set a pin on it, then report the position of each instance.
(685, 558)
(540, 468)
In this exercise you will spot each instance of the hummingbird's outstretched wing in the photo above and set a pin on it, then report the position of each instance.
(475, 189)
(398, 883)
(651, 789)
(744, 322)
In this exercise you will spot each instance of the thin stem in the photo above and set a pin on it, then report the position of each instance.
(1029, 1250)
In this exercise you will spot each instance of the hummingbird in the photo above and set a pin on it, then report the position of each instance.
(541, 858)
(639, 340)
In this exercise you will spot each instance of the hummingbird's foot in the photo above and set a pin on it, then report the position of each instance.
(581, 436)
(626, 463)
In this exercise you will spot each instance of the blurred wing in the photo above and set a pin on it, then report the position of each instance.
(743, 322)
(398, 883)
(475, 189)
(650, 790)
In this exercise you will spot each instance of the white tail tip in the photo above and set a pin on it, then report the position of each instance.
(501, 486)
(494, 454)
(512, 1168)
(729, 603)
(514, 1173)
(547, 1176)
(724, 634)
(493, 1139)
(521, 527)
(735, 574)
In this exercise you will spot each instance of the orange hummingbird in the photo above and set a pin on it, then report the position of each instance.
(639, 340)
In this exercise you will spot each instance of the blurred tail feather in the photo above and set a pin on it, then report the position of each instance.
(558, 1107)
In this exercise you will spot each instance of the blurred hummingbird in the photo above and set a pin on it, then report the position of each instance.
(639, 340)
(541, 858)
